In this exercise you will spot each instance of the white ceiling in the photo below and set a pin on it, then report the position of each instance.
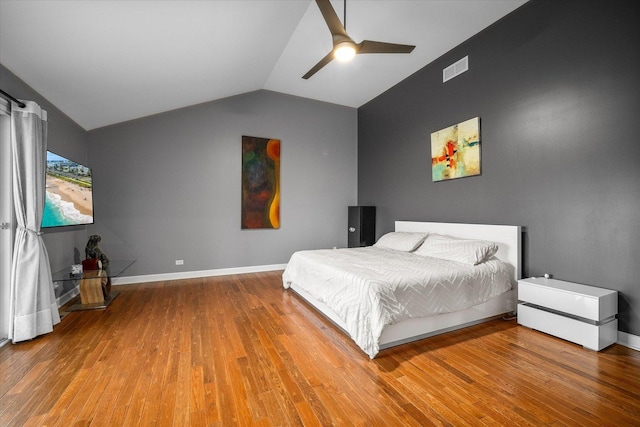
(104, 62)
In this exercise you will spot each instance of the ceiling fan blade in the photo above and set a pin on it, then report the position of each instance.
(331, 18)
(369, 46)
(324, 61)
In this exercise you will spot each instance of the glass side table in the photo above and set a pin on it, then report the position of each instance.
(95, 285)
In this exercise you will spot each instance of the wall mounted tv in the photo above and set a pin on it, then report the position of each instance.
(69, 197)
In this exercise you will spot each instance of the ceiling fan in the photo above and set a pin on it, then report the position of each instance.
(344, 48)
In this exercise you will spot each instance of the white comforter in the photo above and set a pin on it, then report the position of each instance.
(369, 288)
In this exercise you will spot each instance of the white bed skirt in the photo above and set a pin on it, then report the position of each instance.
(419, 328)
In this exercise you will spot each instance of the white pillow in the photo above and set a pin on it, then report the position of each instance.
(401, 241)
(471, 252)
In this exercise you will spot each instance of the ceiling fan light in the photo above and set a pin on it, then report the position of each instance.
(344, 51)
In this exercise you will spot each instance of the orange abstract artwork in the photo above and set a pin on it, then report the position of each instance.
(455, 151)
(260, 182)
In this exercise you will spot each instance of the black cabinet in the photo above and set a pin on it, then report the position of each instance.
(362, 226)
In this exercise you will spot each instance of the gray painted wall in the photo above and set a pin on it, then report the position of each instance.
(556, 86)
(68, 139)
(167, 187)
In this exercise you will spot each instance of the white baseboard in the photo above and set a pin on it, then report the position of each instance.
(130, 280)
(629, 340)
(63, 299)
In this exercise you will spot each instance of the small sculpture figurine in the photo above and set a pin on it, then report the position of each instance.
(92, 251)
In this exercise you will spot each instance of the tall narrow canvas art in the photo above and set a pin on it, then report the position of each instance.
(260, 182)
(455, 151)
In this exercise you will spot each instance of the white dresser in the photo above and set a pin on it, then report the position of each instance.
(582, 314)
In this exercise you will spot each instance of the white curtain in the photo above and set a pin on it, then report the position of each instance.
(33, 304)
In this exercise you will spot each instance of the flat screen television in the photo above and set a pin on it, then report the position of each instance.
(69, 197)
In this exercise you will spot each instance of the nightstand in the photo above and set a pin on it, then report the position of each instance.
(585, 315)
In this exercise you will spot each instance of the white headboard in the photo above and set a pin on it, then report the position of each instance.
(508, 238)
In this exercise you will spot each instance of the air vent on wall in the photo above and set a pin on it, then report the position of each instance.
(456, 69)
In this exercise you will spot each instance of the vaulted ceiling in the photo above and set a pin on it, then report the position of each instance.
(104, 62)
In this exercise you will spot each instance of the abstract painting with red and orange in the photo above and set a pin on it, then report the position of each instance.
(260, 182)
(455, 151)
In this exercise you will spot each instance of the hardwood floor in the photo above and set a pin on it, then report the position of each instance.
(241, 350)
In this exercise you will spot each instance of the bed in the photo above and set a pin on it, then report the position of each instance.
(376, 295)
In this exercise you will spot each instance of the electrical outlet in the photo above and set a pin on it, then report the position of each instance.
(179, 262)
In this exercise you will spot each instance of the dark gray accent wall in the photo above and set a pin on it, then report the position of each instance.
(556, 85)
(167, 187)
(68, 139)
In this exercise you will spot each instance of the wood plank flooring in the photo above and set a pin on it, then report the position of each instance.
(241, 350)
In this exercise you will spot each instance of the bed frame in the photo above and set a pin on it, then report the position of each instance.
(508, 239)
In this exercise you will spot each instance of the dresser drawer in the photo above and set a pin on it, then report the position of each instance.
(592, 336)
(588, 302)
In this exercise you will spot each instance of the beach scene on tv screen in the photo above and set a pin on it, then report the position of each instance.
(69, 198)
